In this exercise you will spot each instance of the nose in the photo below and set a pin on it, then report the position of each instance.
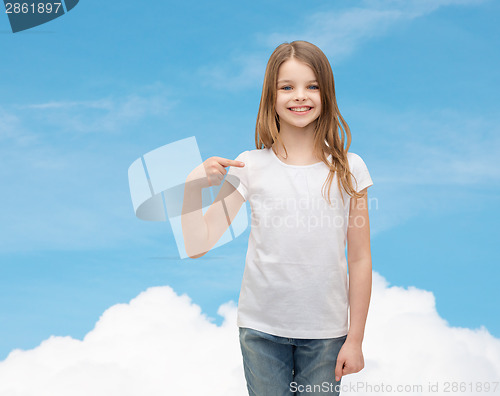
(300, 95)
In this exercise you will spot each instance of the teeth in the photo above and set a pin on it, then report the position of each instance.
(300, 108)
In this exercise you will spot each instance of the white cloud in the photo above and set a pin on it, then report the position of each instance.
(65, 170)
(426, 161)
(246, 70)
(109, 114)
(161, 344)
(416, 8)
(435, 148)
(407, 342)
(339, 33)
(12, 130)
(158, 344)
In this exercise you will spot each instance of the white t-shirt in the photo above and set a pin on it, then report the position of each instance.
(295, 279)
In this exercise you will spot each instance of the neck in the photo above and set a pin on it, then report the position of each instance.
(299, 142)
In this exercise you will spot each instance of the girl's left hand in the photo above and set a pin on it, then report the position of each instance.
(349, 360)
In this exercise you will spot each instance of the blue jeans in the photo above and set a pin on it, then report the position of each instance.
(280, 366)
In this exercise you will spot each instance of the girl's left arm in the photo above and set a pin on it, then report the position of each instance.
(350, 358)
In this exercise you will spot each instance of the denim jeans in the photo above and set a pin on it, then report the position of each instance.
(280, 366)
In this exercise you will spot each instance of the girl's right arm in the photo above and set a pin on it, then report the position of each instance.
(201, 232)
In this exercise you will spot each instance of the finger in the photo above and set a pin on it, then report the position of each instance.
(220, 169)
(215, 178)
(347, 370)
(339, 369)
(227, 162)
(219, 178)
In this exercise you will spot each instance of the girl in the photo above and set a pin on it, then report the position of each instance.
(308, 197)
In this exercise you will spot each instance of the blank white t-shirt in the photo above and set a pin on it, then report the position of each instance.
(295, 279)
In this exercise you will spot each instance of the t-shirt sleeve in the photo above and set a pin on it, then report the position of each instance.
(362, 178)
(238, 176)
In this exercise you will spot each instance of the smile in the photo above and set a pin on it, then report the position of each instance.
(302, 110)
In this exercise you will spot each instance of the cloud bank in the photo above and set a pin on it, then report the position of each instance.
(158, 344)
(162, 344)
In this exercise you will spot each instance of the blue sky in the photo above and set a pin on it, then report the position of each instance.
(86, 94)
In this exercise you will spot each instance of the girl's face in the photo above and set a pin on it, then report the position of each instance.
(298, 101)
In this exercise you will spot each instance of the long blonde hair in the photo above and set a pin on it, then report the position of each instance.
(331, 131)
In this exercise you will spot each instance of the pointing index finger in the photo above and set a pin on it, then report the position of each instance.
(227, 162)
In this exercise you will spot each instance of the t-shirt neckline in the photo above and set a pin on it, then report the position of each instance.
(296, 166)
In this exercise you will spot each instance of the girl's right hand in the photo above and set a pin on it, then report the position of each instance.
(211, 172)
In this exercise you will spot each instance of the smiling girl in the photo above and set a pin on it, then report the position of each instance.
(308, 196)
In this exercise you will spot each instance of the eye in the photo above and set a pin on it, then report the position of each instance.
(313, 86)
(286, 87)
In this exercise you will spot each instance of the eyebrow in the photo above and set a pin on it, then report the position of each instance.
(310, 81)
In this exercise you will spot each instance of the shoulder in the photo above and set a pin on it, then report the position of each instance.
(353, 157)
(255, 156)
(259, 153)
(355, 160)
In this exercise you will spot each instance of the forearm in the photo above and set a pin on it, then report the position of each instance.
(360, 284)
(194, 227)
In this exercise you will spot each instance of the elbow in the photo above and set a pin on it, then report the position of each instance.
(195, 256)
(195, 253)
(193, 249)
